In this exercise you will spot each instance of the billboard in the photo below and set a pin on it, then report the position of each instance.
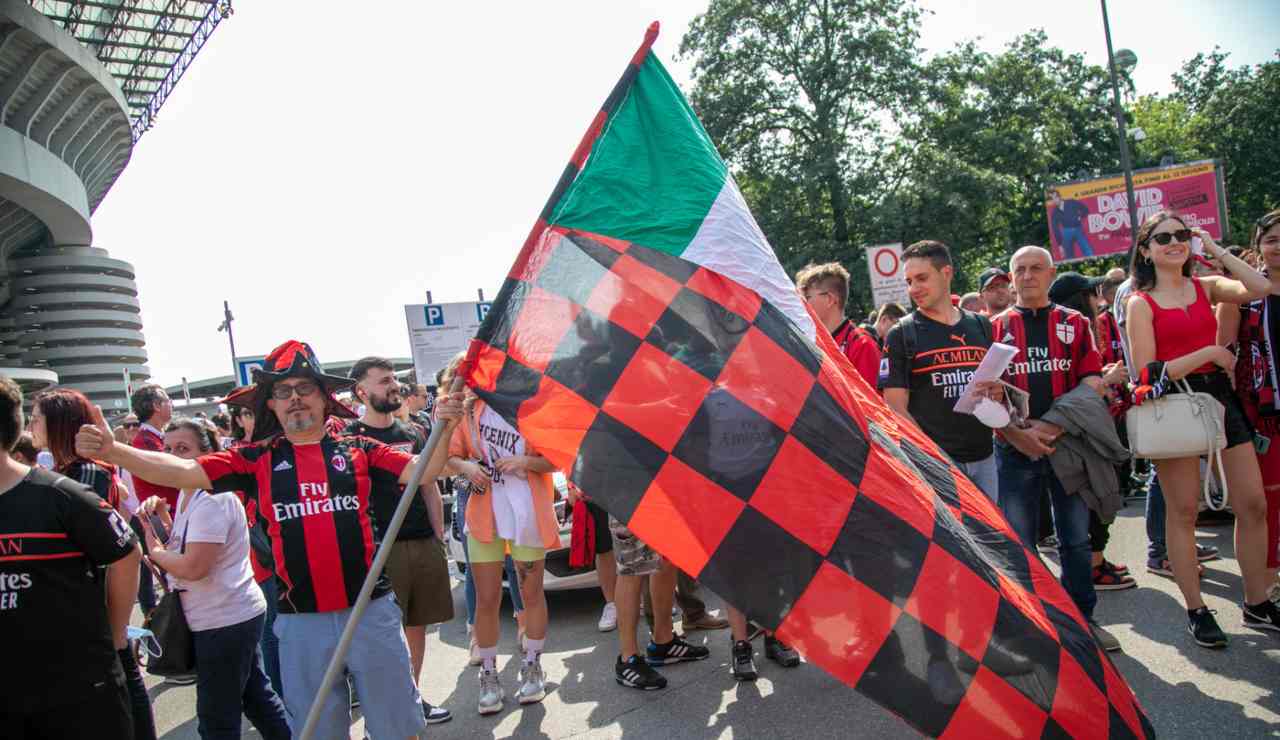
(888, 283)
(1090, 218)
(438, 331)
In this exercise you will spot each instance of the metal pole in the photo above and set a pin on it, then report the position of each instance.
(1125, 163)
(480, 293)
(227, 318)
(379, 560)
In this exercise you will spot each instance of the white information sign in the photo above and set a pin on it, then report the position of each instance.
(888, 284)
(438, 331)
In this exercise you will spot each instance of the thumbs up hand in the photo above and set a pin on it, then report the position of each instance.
(94, 441)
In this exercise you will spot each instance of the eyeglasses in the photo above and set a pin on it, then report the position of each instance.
(1181, 235)
(131, 425)
(285, 392)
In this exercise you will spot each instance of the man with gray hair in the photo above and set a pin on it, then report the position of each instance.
(1056, 353)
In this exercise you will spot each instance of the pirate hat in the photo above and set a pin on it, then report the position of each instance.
(293, 359)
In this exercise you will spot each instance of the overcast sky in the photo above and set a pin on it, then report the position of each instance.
(319, 170)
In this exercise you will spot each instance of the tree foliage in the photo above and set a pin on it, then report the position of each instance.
(842, 135)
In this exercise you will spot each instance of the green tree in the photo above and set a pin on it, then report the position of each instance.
(799, 94)
(996, 129)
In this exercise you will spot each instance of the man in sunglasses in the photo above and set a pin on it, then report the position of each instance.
(313, 490)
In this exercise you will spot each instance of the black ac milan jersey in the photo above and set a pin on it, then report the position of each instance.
(315, 501)
(56, 539)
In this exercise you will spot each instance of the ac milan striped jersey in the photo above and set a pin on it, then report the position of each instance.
(314, 499)
(1055, 351)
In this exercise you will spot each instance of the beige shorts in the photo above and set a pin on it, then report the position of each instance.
(419, 576)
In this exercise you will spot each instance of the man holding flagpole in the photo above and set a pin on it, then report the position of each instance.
(313, 490)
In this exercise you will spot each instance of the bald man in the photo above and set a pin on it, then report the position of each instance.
(1056, 353)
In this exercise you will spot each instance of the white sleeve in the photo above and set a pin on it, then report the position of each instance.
(131, 503)
(209, 519)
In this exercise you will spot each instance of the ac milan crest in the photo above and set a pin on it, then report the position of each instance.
(339, 463)
(1066, 333)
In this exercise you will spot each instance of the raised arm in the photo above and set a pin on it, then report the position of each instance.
(1245, 284)
(94, 441)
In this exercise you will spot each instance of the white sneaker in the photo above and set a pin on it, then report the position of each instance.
(533, 683)
(608, 618)
(491, 693)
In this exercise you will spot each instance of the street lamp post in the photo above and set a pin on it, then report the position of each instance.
(227, 318)
(1125, 163)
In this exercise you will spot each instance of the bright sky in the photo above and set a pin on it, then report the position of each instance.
(320, 170)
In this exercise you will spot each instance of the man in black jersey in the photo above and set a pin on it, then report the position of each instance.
(417, 567)
(68, 577)
(933, 353)
(313, 490)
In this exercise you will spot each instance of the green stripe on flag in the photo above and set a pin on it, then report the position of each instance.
(653, 173)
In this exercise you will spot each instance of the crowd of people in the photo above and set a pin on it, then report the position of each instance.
(265, 518)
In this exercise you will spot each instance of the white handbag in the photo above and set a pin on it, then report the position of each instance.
(1186, 424)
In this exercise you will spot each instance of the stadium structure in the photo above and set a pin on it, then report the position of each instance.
(80, 82)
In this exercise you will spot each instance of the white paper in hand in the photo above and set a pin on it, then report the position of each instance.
(993, 365)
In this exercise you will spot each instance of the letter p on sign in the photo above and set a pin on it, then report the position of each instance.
(434, 315)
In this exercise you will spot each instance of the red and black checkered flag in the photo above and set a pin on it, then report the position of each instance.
(649, 344)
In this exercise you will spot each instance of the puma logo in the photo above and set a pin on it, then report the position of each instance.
(957, 338)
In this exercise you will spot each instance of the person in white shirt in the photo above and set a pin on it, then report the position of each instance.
(207, 558)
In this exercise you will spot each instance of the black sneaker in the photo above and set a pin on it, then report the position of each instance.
(744, 665)
(1204, 628)
(636, 673)
(674, 652)
(435, 715)
(780, 652)
(1264, 616)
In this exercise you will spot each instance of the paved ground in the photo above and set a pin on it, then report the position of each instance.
(1189, 692)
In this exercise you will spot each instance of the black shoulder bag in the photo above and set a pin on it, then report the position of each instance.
(169, 623)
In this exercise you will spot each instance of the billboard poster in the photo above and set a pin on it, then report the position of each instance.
(1090, 218)
(888, 283)
(438, 331)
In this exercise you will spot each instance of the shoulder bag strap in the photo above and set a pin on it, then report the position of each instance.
(1211, 423)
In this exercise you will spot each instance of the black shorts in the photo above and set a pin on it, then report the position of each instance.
(604, 540)
(1217, 384)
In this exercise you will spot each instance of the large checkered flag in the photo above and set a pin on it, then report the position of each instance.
(648, 341)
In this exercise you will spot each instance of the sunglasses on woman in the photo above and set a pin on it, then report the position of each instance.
(1181, 235)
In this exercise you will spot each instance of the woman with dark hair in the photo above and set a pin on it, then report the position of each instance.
(207, 559)
(1173, 336)
(241, 422)
(1254, 329)
(56, 416)
(1075, 291)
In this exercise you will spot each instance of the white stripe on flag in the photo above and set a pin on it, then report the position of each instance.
(730, 242)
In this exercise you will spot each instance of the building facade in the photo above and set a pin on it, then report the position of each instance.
(79, 83)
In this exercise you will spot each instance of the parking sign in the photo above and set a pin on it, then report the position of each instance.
(245, 367)
(438, 331)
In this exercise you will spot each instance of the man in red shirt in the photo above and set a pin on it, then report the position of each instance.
(154, 410)
(313, 490)
(1056, 353)
(826, 290)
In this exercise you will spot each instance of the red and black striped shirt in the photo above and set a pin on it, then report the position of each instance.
(314, 499)
(1055, 351)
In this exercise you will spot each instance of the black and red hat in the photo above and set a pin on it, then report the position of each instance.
(293, 359)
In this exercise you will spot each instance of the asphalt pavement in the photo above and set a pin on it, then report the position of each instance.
(1188, 691)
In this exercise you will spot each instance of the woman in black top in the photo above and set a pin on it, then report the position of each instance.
(56, 416)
